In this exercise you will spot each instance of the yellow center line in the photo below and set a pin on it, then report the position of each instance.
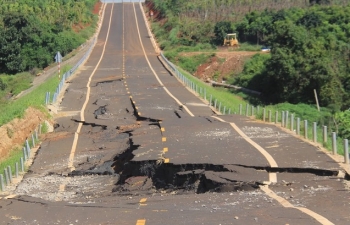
(165, 150)
(154, 72)
(140, 222)
(163, 139)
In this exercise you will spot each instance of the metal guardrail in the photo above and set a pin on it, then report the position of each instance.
(6, 179)
(286, 119)
(66, 75)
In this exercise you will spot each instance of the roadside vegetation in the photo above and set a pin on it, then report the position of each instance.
(309, 46)
(31, 32)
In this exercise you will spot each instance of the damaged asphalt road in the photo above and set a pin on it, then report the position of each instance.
(125, 150)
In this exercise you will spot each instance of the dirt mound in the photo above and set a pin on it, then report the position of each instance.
(224, 64)
(14, 133)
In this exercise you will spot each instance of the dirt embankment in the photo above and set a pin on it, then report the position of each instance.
(223, 65)
(14, 133)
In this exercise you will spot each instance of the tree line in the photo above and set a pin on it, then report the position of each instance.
(308, 40)
(31, 32)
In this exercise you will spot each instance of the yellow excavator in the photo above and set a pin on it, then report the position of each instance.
(231, 40)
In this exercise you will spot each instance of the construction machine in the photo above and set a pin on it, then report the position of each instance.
(231, 40)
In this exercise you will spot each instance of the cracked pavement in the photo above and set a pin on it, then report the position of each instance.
(138, 154)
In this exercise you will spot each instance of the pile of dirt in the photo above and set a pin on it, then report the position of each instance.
(14, 133)
(223, 65)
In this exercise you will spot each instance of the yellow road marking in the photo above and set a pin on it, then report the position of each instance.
(139, 114)
(166, 160)
(165, 149)
(140, 222)
(162, 129)
(143, 200)
(163, 139)
(272, 146)
(10, 196)
(287, 204)
(154, 72)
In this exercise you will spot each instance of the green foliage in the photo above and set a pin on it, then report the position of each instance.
(3, 85)
(343, 120)
(36, 98)
(31, 32)
(220, 30)
(253, 68)
(309, 50)
(191, 63)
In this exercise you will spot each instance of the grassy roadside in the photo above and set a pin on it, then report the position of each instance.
(16, 108)
(16, 154)
(220, 94)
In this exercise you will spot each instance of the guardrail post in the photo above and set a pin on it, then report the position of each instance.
(314, 131)
(247, 110)
(270, 117)
(224, 110)
(211, 99)
(298, 126)
(7, 179)
(276, 117)
(240, 109)
(28, 148)
(219, 107)
(334, 143)
(305, 129)
(40, 126)
(10, 173)
(205, 94)
(2, 185)
(46, 99)
(16, 169)
(287, 118)
(346, 151)
(215, 103)
(25, 153)
(264, 114)
(325, 135)
(33, 141)
(252, 110)
(292, 122)
(257, 110)
(22, 164)
(229, 111)
(36, 135)
(282, 119)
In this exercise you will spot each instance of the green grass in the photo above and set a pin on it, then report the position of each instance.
(319, 128)
(36, 98)
(16, 154)
(219, 94)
